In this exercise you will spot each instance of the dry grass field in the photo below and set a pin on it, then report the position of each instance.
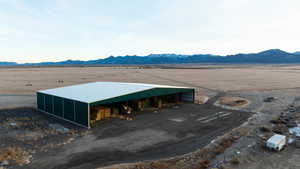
(29, 80)
(232, 83)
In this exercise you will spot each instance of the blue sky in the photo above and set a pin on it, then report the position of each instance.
(54, 30)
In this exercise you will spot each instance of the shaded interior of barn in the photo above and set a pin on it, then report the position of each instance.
(128, 109)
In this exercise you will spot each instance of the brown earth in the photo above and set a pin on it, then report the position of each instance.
(252, 82)
(29, 80)
(19, 84)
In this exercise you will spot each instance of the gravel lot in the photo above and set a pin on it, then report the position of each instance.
(150, 136)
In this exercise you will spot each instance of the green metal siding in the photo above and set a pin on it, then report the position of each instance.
(143, 94)
(40, 101)
(69, 113)
(81, 111)
(74, 111)
(58, 106)
(78, 112)
(48, 104)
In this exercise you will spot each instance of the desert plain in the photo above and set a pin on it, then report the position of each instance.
(254, 83)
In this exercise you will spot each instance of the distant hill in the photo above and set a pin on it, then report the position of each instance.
(268, 56)
(7, 63)
(272, 56)
(297, 53)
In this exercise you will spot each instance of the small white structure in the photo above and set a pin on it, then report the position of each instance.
(295, 131)
(276, 142)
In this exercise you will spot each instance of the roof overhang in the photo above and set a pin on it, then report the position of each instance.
(97, 92)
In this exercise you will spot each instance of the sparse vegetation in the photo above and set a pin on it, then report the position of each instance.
(265, 129)
(14, 155)
(236, 160)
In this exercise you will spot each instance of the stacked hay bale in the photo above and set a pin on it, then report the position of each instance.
(99, 113)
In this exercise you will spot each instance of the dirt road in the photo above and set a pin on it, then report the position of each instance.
(17, 100)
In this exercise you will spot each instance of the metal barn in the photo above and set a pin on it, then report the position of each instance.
(74, 103)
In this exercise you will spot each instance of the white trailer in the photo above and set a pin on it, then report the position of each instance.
(276, 142)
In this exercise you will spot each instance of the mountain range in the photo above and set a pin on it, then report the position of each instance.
(272, 56)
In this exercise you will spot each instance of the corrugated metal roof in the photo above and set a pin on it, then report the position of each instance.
(97, 91)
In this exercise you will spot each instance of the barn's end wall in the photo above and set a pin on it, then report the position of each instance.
(71, 110)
